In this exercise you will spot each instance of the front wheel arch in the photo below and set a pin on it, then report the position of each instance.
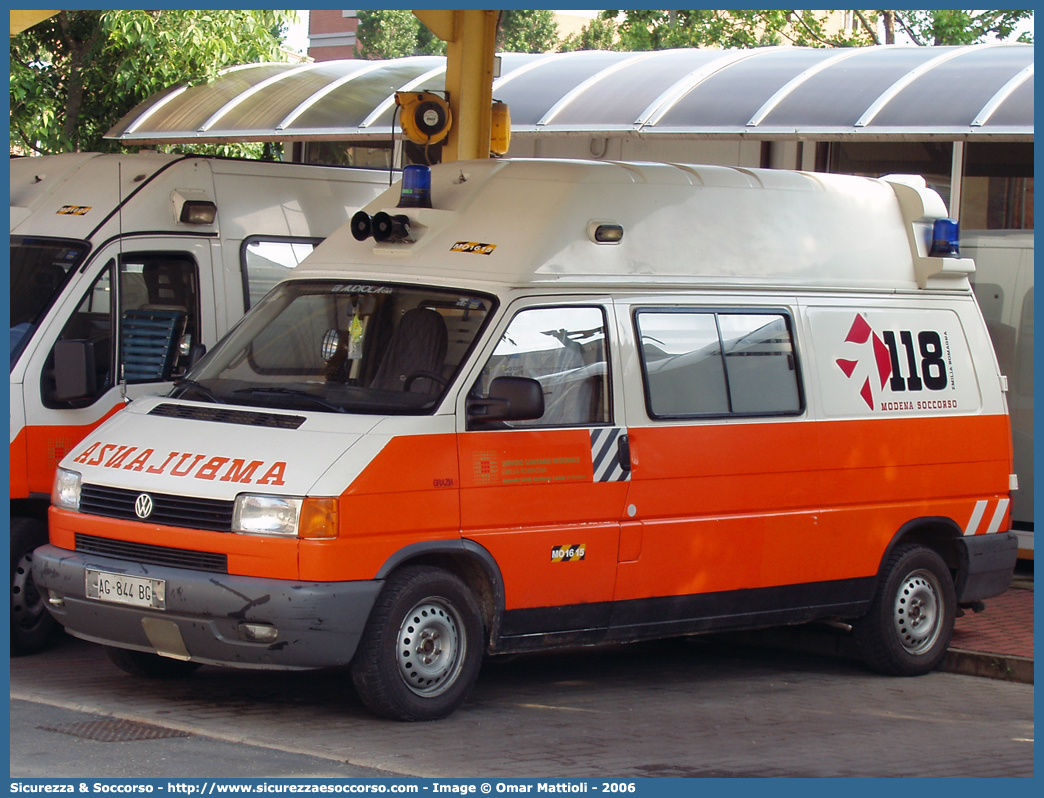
(469, 562)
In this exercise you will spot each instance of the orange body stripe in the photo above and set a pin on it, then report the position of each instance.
(717, 506)
(19, 467)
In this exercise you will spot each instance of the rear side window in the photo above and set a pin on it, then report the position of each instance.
(266, 261)
(699, 362)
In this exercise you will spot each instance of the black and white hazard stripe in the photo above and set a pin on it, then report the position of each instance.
(605, 455)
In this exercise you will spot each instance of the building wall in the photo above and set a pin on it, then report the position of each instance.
(331, 34)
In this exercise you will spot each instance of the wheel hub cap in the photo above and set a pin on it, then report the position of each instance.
(917, 612)
(430, 651)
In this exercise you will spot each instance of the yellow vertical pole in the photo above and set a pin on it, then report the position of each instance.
(470, 37)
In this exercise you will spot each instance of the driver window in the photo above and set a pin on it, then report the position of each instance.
(564, 349)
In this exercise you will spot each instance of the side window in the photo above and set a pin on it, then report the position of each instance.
(564, 349)
(705, 363)
(266, 261)
(158, 316)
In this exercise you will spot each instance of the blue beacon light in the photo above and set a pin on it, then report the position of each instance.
(416, 187)
(945, 239)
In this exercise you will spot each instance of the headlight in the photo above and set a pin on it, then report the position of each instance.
(266, 515)
(66, 490)
(285, 516)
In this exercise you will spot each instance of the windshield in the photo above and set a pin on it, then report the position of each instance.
(343, 348)
(40, 268)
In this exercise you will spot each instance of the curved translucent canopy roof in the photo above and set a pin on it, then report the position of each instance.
(872, 93)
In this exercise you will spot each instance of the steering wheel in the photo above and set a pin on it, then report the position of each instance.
(424, 375)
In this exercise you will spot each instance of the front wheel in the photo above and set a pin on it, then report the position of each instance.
(910, 622)
(420, 652)
(33, 628)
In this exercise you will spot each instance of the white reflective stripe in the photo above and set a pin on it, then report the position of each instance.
(976, 518)
(998, 516)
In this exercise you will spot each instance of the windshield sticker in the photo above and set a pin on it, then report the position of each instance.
(74, 210)
(184, 464)
(472, 246)
(362, 289)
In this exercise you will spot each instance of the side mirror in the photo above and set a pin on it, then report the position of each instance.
(195, 355)
(509, 399)
(74, 372)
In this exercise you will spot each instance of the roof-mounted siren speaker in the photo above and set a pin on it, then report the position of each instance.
(387, 227)
(362, 226)
(425, 117)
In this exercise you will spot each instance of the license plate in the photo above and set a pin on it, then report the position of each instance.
(122, 589)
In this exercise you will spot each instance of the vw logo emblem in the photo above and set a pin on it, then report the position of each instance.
(143, 506)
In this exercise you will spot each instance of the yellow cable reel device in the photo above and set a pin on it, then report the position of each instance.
(425, 117)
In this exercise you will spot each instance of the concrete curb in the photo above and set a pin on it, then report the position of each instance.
(821, 640)
(993, 666)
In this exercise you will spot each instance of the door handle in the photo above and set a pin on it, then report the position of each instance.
(623, 448)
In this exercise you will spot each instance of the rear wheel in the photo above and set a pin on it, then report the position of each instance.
(151, 666)
(33, 628)
(910, 623)
(421, 649)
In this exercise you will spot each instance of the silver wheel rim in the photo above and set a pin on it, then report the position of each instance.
(917, 615)
(430, 647)
(27, 604)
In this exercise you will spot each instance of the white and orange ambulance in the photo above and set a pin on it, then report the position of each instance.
(543, 403)
(123, 266)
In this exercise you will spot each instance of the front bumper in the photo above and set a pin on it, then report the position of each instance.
(319, 623)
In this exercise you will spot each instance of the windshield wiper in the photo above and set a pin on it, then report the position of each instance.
(202, 390)
(293, 393)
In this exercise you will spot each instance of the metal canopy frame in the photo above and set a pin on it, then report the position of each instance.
(976, 92)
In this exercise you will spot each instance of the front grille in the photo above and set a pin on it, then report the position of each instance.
(224, 415)
(153, 555)
(211, 514)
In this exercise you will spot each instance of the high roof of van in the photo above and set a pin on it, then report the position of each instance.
(76, 195)
(682, 225)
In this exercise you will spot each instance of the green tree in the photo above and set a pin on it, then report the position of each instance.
(394, 34)
(598, 34)
(658, 30)
(527, 32)
(938, 27)
(76, 74)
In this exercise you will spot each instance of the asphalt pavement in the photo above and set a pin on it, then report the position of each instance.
(697, 707)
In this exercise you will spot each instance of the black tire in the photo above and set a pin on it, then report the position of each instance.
(150, 666)
(33, 628)
(420, 652)
(910, 622)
